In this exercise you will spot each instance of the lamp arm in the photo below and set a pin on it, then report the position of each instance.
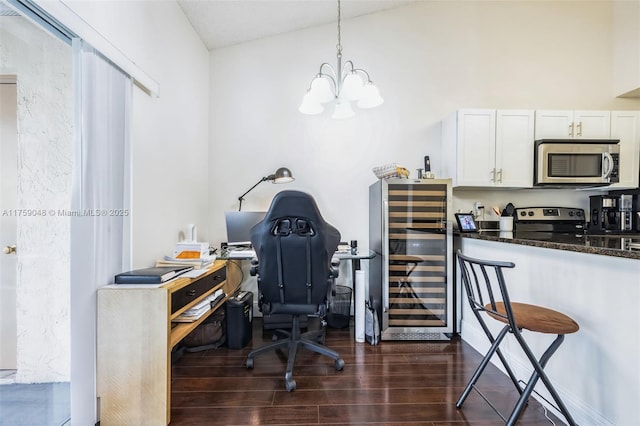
(327, 75)
(324, 74)
(241, 198)
(363, 72)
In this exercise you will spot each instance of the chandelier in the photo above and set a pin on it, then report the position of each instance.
(343, 84)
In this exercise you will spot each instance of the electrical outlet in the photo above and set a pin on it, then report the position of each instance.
(478, 209)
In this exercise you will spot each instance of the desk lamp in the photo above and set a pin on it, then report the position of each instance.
(282, 175)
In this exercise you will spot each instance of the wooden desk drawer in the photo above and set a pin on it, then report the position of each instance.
(188, 294)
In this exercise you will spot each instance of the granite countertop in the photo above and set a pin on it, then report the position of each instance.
(627, 246)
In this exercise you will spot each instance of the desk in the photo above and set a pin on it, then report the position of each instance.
(354, 256)
(135, 338)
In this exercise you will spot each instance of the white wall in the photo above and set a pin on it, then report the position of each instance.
(428, 59)
(169, 133)
(626, 52)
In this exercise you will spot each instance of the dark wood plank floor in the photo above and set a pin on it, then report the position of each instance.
(394, 383)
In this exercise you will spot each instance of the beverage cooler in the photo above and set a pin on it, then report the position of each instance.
(411, 277)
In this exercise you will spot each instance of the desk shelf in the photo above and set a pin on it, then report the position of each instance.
(135, 339)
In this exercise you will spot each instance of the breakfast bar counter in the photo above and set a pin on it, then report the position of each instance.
(623, 245)
(596, 281)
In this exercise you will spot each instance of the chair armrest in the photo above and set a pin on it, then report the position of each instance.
(335, 267)
(253, 270)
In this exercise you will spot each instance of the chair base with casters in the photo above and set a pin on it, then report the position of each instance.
(295, 339)
(483, 282)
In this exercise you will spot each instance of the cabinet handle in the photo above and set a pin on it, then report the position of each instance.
(191, 293)
(500, 175)
(571, 129)
(493, 175)
(579, 127)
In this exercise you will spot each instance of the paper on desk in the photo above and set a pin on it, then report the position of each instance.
(194, 273)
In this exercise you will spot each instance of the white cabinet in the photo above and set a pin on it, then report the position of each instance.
(489, 148)
(573, 124)
(625, 125)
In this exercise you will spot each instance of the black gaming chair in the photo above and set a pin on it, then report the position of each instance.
(294, 248)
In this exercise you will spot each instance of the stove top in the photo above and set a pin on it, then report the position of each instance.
(548, 214)
(562, 220)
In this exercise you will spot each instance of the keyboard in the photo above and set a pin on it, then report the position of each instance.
(241, 254)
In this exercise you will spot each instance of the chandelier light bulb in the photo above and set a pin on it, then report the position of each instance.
(309, 105)
(343, 110)
(370, 96)
(352, 87)
(321, 90)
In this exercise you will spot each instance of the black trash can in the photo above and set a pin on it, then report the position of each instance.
(239, 310)
(339, 307)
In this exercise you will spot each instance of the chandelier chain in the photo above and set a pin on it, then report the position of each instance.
(339, 45)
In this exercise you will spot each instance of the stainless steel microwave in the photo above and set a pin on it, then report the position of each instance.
(584, 162)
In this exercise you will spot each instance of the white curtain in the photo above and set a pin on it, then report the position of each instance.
(100, 233)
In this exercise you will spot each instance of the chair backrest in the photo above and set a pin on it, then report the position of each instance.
(294, 246)
(481, 279)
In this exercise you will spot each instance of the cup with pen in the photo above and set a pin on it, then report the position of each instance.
(506, 220)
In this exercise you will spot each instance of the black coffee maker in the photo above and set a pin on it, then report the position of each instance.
(605, 213)
(629, 207)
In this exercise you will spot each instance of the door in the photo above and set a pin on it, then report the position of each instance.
(625, 125)
(514, 148)
(417, 295)
(554, 125)
(8, 203)
(592, 124)
(476, 147)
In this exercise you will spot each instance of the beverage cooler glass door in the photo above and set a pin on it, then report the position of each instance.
(417, 289)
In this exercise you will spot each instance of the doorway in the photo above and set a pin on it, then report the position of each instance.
(36, 276)
(8, 200)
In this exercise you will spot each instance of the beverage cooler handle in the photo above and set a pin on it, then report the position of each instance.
(385, 255)
(607, 165)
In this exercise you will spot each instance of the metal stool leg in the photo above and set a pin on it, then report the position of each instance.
(482, 366)
(538, 373)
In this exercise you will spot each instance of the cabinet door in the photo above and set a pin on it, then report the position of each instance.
(514, 148)
(476, 147)
(625, 126)
(592, 124)
(418, 298)
(554, 125)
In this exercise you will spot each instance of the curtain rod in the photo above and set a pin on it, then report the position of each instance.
(66, 24)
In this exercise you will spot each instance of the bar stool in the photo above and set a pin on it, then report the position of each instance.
(479, 278)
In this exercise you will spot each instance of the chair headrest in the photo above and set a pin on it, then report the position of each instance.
(292, 203)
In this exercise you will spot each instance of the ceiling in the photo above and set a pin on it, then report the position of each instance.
(221, 23)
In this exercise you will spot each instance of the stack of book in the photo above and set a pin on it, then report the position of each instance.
(155, 275)
(198, 263)
(192, 314)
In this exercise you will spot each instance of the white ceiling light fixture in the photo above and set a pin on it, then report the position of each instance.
(343, 84)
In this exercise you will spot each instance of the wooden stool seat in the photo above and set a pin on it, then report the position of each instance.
(535, 318)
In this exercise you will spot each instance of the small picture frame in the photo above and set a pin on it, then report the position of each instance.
(466, 222)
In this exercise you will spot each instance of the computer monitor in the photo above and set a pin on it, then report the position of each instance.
(239, 224)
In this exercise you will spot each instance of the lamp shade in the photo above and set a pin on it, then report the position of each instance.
(321, 90)
(343, 110)
(352, 87)
(370, 96)
(309, 105)
(283, 175)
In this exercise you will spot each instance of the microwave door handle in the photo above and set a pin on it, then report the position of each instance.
(606, 172)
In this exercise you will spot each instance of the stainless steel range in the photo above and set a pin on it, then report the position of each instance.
(549, 223)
